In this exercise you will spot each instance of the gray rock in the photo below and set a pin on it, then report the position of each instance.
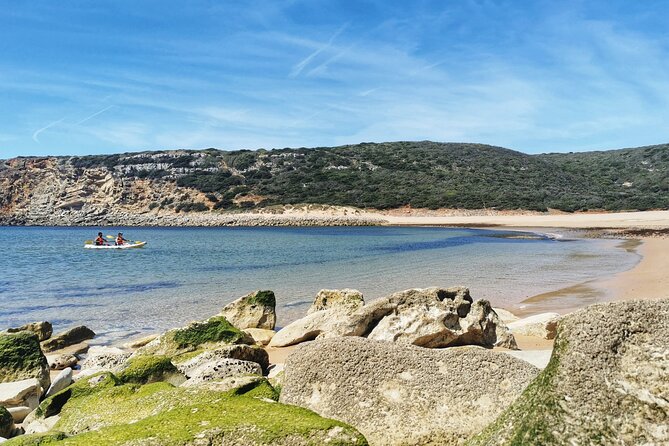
(241, 352)
(20, 393)
(21, 358)
(430, 317)
(70, 337)
(63, 361)
(607, 382)
(255, 310)
(398, 394)
(221, 369)
(329, 299)
(101, 358)
(60, 382)
(42, 329)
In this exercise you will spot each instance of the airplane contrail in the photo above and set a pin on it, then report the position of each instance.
(99, 112)
(48, 126)
(298, 67)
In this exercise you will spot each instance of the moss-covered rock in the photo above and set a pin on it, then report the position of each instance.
(607, 382)
(149, 369)
(159, 413)
(6, 422)
(216, 330)
(22, 358)
(82, 388)
(255, 310)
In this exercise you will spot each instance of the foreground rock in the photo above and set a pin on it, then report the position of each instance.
(239, 352)
(255, 310)
(401, 394)
(542, 325)
(260, 336)
(607, 382)
(21, 358)
(103, 410)
(42, 329)
(70, 337)
(430, 317)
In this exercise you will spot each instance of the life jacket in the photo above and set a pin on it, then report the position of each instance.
(99, 241)
(119, 240)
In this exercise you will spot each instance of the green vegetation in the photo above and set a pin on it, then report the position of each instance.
(21, 357)
(148, 369)
(6, 422)
(419, 174)
(263, 298)
(216, 329)
(84, 387)
(162, 414)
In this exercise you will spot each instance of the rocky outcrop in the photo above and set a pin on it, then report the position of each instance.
(70, 337)
(255, 310)
(542, 325)
(607, 382)
(43, 329)
(240, 352)
(214, 332)
(430, 317)
(21, 358)
(402, 394)
(329, 299)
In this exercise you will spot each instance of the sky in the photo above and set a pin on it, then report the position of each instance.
(91, 77)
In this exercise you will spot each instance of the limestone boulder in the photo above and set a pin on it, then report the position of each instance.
(505, 315)
(607, 382)
(255, 310)
(221, 369)
(429, 317)
(241, 352)
(397, 394)
(260, 336)
(60, 382)
(19, 413)
(329, 299)
(42, 330)
(105, 358)
(24, 393)
(21, 358)
(542, 325)
(61, 362)
(72, 336)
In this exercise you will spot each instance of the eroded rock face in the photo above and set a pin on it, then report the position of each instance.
(329, 299)
(220, 369)
(606, 383)
(22, 358)
(428, 317)
(104, 358)
(70, 337)
(402, 394)
(255, 310)
(42, 329)
(242, 352)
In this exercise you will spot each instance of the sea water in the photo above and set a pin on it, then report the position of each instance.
(186, 274)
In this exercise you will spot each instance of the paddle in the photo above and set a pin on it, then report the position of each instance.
(111, 237)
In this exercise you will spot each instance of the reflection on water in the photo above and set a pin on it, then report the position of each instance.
(186, 274)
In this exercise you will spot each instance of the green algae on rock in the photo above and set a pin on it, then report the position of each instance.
(159, 413)
(22, 358)
(6, 422)
(149, 369)
(607, 382)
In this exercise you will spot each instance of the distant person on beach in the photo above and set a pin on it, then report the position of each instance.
(119, 239)
(100, 241)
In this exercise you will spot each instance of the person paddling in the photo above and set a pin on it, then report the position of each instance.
(120, 240)
(100, 240)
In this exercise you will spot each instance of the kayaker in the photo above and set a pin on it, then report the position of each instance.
(100, 240)
(119, 239)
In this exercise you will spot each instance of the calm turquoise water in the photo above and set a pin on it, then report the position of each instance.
(185, 274)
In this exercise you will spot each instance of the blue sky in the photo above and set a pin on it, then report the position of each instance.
(85, 77)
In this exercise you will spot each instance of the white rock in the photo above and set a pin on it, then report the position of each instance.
(141, 342)
(505, 315)
(261, 336)
(60, 382)
(18, 392)
(542, 325)
(221, 369)
(102, 358)
(41, 425)
(19, 413)
(538, 358)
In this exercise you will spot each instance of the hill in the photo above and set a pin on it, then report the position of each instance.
(368, 175)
